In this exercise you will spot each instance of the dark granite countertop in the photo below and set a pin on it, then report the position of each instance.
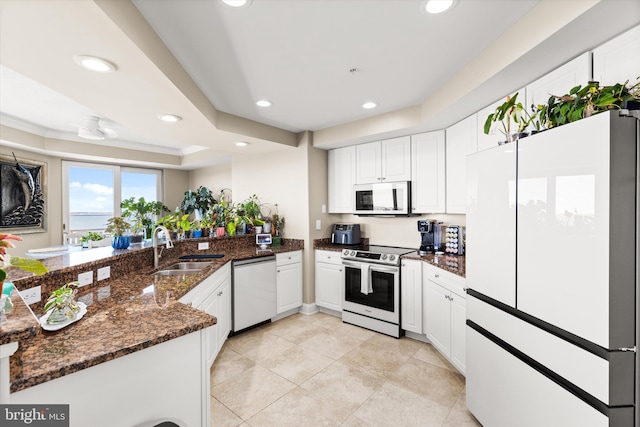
(452, 263)
(20, 324)
(130, 311)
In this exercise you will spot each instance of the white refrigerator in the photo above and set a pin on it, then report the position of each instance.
(552, 248)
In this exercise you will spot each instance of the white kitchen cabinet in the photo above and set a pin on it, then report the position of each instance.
(560, 81)
(329, 280)
(213, 296)
(411, 296)
(462, 140)
(445, 314)
(384, 161)
(342, 176)
(617, 60)
(289, 280)
(428, 172)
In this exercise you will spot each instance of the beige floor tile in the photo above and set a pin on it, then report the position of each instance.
(269, 346)
(429, 354)
(251, 391)
(459, 416)
(331, 344)
(404, 346)
(353, 331)
(325, 320)
(295, 331)
(299, 408)
(247, 341)
(297, 364)
(437, 384)
(393, 406)
(341, 385)
(221, 416)
(227, 365)
(374, 359)
(354, 421)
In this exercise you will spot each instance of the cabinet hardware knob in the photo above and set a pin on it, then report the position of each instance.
(190, 304)
(278, 271)
(220, 293)
(464, 289)
(437, 275)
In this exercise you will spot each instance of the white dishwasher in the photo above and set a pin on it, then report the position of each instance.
(254, 292)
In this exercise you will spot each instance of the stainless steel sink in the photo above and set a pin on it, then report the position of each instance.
(189, 266)
(181, 268)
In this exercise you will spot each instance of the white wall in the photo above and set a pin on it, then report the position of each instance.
(215, 177)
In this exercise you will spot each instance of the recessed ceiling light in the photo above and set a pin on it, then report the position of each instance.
(169, 118)
(94, 63)
(263, 103)
(369, 105)
(241, 144)
(437, 6)
(237, 3)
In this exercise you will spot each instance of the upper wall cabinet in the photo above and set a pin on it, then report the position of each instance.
(428, 172)
(342, 176)
(462, 140)
(560, 81)
(618, 60)
(384, 161)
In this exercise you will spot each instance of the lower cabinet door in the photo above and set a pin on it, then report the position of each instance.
(223, 327)
(458, 331)
(329, 285)
(438, 317)
(289, 294)
(211, 306)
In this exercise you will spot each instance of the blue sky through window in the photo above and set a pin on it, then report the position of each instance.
(90, 190)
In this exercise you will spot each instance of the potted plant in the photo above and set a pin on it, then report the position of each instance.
(88, 239)
(118, 226)
(218, 215)
(277, 225)
(196, 229)
(197, 202)
(62, 304)
(144, 213)
(183, 225)
(207, 224)
(511, 118)
(582, 102)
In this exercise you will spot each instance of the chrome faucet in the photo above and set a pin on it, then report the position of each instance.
(169, 245)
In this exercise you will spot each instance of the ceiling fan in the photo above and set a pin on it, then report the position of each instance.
(94, 129)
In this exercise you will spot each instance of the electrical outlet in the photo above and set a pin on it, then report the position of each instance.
(85, 278)
(202, 246)
(31, 295)
(104, 273)
(324, 208)
(318, 224)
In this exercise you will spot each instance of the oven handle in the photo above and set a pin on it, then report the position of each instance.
(374, 267)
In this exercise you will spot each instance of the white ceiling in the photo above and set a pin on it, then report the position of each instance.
(209, 63)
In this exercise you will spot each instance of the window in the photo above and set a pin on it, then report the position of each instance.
(92, 192)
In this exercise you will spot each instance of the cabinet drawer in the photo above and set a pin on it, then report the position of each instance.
(330, 257)
(288, 258)
(450, 281)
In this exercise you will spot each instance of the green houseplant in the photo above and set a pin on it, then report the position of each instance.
(512, 119)
(143, 213)
(582, 102)
(197, 202)
(118, 226)
(91, 236)
(62, 304)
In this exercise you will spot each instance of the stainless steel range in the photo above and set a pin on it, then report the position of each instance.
(372, 288)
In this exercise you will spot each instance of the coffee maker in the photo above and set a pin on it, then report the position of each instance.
(431, 236)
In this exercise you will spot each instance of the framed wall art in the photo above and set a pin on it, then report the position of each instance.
(23, 194)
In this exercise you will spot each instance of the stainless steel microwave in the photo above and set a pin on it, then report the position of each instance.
(384, 198)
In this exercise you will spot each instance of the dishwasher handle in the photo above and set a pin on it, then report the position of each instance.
(256, 260)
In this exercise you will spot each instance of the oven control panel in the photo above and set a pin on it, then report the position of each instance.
(370, 256)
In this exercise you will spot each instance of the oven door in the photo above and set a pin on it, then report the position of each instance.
(372, 290)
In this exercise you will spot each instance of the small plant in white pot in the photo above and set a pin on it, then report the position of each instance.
(62, 304)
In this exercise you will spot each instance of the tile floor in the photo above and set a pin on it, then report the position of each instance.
(317, 371)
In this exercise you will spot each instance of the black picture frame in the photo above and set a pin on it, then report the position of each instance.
(23, 195)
